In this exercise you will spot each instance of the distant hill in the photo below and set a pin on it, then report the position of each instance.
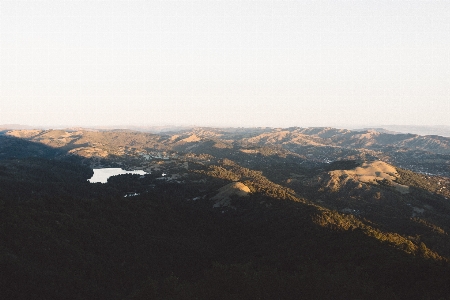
(441, 130)
(426, 154)
(378, 129)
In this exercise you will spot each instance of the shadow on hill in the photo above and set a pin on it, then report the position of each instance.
(323, 248)
(73, 144)
(30, 170)
(60, 248)
(13, 148)
(289, 253)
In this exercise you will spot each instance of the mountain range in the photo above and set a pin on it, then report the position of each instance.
(225, 213)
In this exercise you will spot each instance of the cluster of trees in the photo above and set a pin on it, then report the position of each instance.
(246, 281)
(424, 182)
(255, 180)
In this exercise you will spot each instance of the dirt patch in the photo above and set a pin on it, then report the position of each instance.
(191, 139)
(372, 173)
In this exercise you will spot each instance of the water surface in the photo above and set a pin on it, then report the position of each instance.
(102, 175)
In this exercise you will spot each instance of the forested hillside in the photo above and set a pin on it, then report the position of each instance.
(217, 217)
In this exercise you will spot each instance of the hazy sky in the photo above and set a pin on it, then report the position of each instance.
(241, 63)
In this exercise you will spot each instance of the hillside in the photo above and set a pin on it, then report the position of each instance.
(423, 154)
(255, 213)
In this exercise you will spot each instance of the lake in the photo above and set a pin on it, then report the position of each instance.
(102, 175)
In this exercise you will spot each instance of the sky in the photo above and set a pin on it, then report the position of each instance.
(277, 63)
